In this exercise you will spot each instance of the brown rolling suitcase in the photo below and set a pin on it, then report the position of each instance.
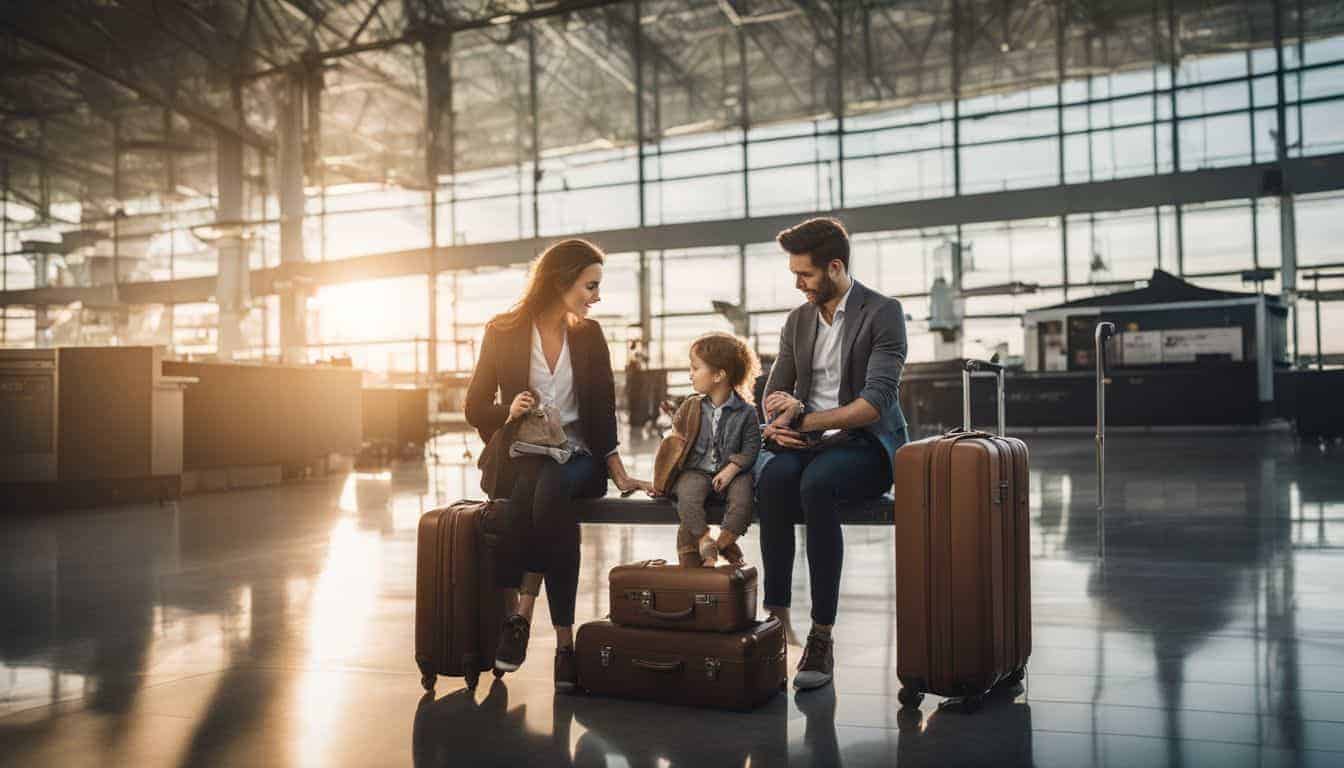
(458, 609)
(728, 670)
(963, 559)
(661, 596)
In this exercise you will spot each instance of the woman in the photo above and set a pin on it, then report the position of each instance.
(546, 347)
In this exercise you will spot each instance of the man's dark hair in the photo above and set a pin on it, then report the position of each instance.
(824, 238)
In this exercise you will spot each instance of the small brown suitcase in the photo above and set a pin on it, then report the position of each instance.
(661, 596)
(963, 560)
(737, 670)
(458, 609)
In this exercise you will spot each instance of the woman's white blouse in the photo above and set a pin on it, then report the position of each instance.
(555, 389)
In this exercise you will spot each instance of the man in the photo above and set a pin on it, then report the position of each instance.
(835, 423)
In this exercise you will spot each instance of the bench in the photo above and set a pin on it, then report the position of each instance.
(643, 510)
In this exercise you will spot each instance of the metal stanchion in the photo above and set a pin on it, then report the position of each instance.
(1104, 332)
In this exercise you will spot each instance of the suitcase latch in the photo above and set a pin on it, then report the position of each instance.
(712, 668)
(606, 655)
(710, 600)
(1003, 491)
(643, 596)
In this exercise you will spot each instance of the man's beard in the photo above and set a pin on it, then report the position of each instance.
(826, 291)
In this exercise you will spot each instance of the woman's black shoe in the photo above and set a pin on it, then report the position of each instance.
(512, 643)
(566, 671)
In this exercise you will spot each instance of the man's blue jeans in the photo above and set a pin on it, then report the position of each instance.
(811, 487)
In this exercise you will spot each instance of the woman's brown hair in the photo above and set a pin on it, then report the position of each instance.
(551, 274)
(734, 357)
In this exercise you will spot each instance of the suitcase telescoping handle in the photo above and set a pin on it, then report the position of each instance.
(980, 367)
(1103, 333)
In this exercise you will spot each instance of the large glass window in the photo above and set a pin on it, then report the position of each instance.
(1217, 237)
(1320, 229)
(1105, 247)
(1027, 251)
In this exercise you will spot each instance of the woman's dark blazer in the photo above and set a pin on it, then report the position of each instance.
(502, 370)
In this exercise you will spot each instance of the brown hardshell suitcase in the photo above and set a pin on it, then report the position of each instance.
(458, 609)
(661, 596)
(727, 670)
(963, 560)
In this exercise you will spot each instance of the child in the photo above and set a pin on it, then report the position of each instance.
(719, 459)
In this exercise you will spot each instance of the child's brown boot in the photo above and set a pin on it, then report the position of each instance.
(727, 544)
(688, 554)
(709, 551)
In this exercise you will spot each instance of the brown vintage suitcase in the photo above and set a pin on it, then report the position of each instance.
(661, 596)
(963, 560)
(728, 670)
(458, 609)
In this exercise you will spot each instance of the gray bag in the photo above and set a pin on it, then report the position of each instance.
(541, 426)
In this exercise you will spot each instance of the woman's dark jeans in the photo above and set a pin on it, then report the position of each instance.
(543, 530)
(810, 487)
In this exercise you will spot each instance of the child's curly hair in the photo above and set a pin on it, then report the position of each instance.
(734, 357)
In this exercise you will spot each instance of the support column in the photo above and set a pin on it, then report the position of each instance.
(956, 100)
(4, 246)
(1173, 64)
(438, 127)
(535, 124)
(840, 50)
(232, 289)
(293, 295)
(1287, 217)
(645, 299)
(637, 49)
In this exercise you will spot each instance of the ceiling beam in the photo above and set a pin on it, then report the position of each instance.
(192, 111)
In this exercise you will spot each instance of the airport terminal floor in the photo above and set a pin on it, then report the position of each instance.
(274, 627)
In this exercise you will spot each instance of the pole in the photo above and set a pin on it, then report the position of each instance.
(1104, 331)
(1316, 290)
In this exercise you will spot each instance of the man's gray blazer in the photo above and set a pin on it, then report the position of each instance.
(872, 355)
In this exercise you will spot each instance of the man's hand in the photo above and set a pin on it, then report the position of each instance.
(725, 476)
(783, 437)
(780, 404)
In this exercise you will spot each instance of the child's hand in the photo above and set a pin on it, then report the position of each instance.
(725, 476)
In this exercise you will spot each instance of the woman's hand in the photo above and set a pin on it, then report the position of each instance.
(628, 485)
(522, 403)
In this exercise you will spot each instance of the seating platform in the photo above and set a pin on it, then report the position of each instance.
(643, 510)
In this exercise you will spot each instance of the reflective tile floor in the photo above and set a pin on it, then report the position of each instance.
(274, 627)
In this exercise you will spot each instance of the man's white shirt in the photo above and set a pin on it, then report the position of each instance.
(826, 359)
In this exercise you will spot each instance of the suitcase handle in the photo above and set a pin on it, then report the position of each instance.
(1104, 331)
(656, 666)
(980, 367)
(669, 615)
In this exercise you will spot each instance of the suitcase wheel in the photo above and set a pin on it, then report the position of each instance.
(1016, 676)
(909, 697)
(498, 672)
(427, 681)
(472, 678)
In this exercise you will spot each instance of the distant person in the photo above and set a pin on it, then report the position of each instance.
(834, 424)
(545, 344)
(636, 384)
